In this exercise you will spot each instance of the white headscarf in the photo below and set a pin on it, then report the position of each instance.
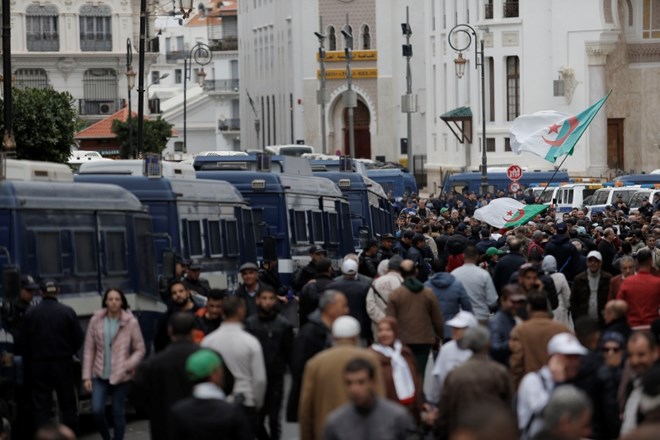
(403, 379)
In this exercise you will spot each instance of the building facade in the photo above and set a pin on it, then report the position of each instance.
(281, 73)
(79, 47)
(554, 55)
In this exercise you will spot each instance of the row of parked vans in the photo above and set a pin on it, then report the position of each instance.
(595, 196)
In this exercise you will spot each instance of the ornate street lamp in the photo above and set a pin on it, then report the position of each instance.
(471, 34)
(186, 7)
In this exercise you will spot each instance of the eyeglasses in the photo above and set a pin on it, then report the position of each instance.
(611, 349)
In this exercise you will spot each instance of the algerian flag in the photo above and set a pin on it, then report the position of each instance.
(504, 213)
(550, 134)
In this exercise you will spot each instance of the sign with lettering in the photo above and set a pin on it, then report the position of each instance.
(334, 56)
(355, 73)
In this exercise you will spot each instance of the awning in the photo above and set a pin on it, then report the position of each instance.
(459, 122)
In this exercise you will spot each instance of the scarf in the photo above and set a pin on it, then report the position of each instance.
(403, 380)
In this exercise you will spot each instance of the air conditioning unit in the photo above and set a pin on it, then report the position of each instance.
(107, 108)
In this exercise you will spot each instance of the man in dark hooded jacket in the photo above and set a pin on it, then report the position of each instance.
(450, 293)
(564, 252)
(313, 337)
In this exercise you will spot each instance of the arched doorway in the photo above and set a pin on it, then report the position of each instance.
(361, 120)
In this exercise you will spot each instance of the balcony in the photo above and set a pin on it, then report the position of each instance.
(224, 44)
(228, 125)
(222, 85)
(510, 9)
(43, 42)
(176, 55)
(96, 107)
(95, 42)
(488, 10)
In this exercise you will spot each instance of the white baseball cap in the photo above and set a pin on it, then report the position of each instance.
(565, 343)
(463, 319)
(345, 327)
(349, 267)
(596, 255)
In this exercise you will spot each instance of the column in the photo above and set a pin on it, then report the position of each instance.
(597, 146)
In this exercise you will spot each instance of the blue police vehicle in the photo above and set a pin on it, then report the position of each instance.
(288, 203)
(394, 180)
(498, 180)
(208, 221)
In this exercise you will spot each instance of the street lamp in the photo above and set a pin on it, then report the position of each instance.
(201, 54)
(186, 7)
(408, 101)
(8, 141)
(130, 81)
(321, 93)
(350, 98)
(470, 33)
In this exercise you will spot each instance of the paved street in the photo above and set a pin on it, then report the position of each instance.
(139, 429)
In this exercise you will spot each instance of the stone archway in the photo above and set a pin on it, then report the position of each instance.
(361, 120)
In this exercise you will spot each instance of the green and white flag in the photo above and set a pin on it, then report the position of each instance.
(506, 213)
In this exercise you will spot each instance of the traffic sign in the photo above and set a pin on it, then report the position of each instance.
(514, 172)
(514, 187)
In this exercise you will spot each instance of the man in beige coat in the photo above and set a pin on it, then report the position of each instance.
(529, 340)
(323, 388)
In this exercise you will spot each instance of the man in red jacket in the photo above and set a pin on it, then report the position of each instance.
(641, 292)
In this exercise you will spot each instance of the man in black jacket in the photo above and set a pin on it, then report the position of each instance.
(250, 287)
(306, 273)
(51, 337)
(180, 301)
(564, 252)
(309, 297)
(313, 337)
(386, 247)
(206, 415)
(508, 264)
(275, 334)
(161, 380)
(356, 294)
(368, 259)
(417, 253)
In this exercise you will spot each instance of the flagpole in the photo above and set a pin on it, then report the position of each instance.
(557, 168)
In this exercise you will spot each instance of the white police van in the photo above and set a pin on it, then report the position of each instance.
(605, 197)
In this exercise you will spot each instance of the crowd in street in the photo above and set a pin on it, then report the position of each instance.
(448, 329)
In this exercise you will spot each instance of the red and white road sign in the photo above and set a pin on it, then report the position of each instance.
(514, 172)
(514, 187)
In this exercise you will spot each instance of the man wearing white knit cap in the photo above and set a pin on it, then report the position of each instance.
(323, 388)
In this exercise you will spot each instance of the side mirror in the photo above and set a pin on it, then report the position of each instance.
(169, 265)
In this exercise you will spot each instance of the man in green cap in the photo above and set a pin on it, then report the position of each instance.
(206, 415)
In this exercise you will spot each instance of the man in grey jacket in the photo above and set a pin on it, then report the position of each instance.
(367, 415)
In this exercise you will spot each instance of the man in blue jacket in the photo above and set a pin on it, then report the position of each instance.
(450, 293)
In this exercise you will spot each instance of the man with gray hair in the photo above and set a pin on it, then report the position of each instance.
(479, 379)
(567, 415)
(313, 337)
(608, 251)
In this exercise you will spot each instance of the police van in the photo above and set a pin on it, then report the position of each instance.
(637, 198)
(605, 197)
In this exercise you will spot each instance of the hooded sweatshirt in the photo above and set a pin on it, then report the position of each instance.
(418, 312)
(450, 294)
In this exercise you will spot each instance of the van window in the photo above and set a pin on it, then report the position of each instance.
(232, 237)
(317, 227)
(145, 253)
(215, 238)
(85, 248)
(600, 198)
(300, 225)
(333, 227)
(49, 253)
(115, 252)
(194, 238)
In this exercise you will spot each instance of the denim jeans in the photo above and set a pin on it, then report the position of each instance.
(100, 390)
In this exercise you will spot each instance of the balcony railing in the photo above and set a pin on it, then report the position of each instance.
(89, 107)
(488, 8)
(41, 43)
(510, 9)
(229, 124)
(227, 43)
(222, 85)
(175, 55)
(96, 42)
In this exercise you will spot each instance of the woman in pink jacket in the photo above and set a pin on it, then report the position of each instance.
(113, 349)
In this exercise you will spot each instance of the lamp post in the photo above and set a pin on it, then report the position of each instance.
(8, 141)
(471, 34)
(130, 81)
(321, 92)
(408, 101)
(350, 99)
(201, 55)
(143, 37)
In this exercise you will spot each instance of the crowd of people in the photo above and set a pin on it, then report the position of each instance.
(448, 328)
